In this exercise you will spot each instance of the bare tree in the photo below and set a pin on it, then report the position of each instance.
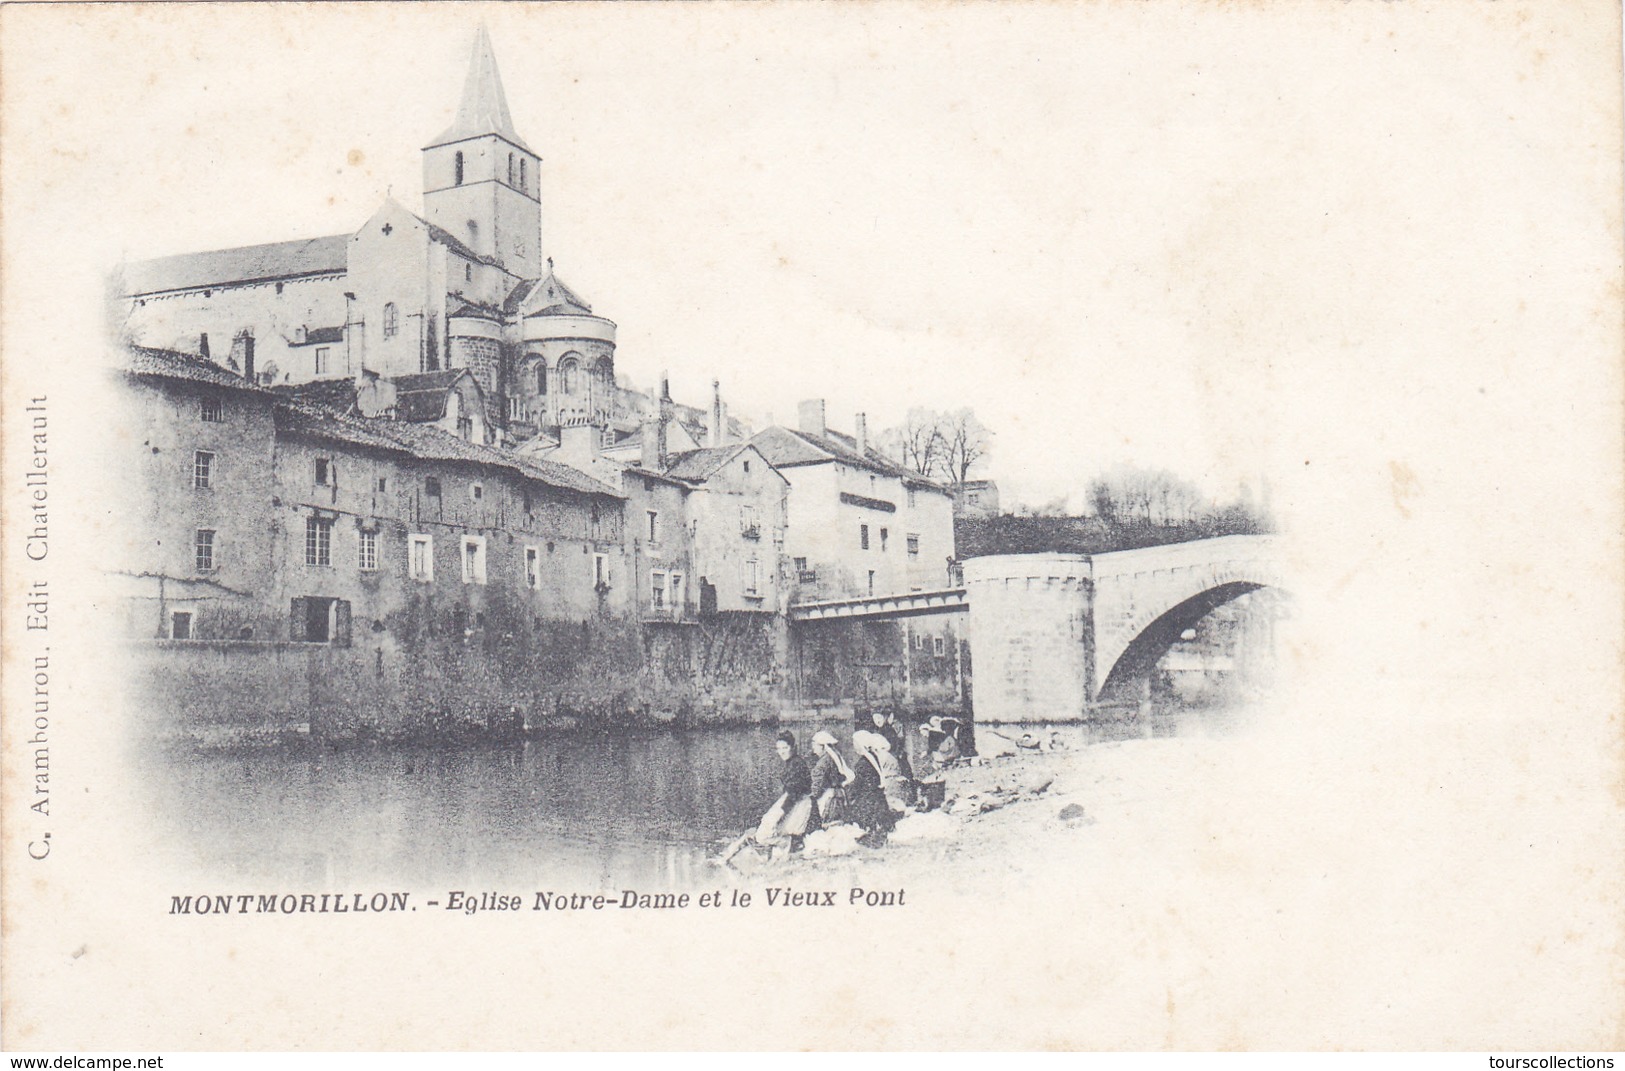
(917, 443)
(965, 443)
(1130, 496)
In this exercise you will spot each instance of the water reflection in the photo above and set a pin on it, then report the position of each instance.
(606, 811)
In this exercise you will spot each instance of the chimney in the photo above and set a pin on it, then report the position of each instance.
(203, 345)
(578, 440)
(860, 433)
(248, 358)
(810, 417)
(650, 457)
(663, 423)
(713, 423)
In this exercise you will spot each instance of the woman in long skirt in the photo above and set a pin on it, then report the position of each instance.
(793, 815)
(870, 808)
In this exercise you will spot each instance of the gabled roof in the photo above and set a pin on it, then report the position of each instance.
(548, 296)
(249, 263)
(172, 364)
(484, 108)
(697, 466)
(422, 395)
(455, 244)
(787, 446)
(336, 394)
(321, 335)
(428, 443)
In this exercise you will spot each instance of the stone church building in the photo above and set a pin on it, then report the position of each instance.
(407, 300)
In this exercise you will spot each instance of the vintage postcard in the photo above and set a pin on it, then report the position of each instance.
(872, 526)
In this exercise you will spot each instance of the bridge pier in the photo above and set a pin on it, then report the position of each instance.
(1031, 635)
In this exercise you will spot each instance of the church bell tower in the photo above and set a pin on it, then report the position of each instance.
(480, 179)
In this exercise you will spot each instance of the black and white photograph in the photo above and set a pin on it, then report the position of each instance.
(899, 526)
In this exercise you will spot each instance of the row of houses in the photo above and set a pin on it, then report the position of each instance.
(266, 515)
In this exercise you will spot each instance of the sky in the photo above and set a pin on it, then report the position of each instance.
(1122, 234)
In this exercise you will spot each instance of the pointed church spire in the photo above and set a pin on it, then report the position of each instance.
(484, 108)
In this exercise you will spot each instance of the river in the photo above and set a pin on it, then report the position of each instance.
(646, 808)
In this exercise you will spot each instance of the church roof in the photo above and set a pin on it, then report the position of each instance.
(484, 107)
(249, 263)
(546, 296)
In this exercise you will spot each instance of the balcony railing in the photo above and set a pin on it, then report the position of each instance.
(751, 531)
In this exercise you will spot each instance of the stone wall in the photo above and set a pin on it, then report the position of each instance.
(1030, 625)
(446, 682)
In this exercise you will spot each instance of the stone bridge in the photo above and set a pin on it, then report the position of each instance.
(1053, 634)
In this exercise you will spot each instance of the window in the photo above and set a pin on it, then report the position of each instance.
(392, 320)
(747, 466)
(203, 550)
(938, 646)
(541, 379)
(510, 169)
(533, 568)
(863, 537)
(871, 581)
(180, 625)
(657, 594)
(883, 535)
(209, 410)
(468, 271)
(747, 521)
(324, 470)
(600, 572)
(654, 526)
(457, 166)
(913, 544)
(318, 541)
(476, 491)
(913, 498)
(369, 551)
(919, 641)
(473, 559)
(567, 376)
(420, 557)
(202, 470)
(431, 486)
(677, 592)
(753, 575)
(383, 484)
(465, 428)
(522, 183)
(321, 360)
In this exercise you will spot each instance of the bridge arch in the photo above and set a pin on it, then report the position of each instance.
(1145, 598)
(1142, 653)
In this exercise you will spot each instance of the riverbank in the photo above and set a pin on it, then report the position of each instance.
(1008, 811)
